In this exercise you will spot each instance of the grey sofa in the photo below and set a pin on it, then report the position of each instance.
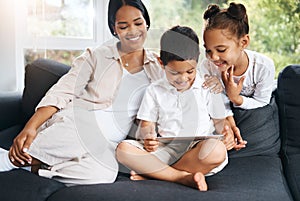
(268, 169)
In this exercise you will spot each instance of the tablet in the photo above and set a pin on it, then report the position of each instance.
(192, 138)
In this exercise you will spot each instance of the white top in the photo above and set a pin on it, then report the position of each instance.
(185, 113)
(94, 79)
(259, 79)
(116, 120)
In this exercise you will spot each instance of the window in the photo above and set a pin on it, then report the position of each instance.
(61, 18)
(266, 28)
(66, 27)
(61, 29)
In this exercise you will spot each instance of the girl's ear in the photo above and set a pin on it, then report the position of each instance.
(245, 41)
(161, 63)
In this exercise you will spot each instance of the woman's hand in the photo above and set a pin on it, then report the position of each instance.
(18, 151)
(213, 83)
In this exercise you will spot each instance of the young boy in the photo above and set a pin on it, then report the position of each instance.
(178, 106)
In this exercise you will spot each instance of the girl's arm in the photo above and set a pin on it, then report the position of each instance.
(210, 75)
(213, 83)
(230, 140)
(262, 93)
(239, 142)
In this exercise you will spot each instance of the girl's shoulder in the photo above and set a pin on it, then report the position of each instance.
(259, 58)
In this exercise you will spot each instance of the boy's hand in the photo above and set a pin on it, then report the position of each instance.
(150, 143)
(213, 83)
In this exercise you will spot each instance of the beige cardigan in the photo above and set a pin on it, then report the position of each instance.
(94, 78)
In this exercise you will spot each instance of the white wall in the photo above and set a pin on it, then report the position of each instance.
(8, 75)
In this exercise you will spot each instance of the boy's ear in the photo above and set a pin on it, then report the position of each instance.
(161, 63)
(245, 41)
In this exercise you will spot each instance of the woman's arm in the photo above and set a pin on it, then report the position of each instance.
(71, 84)
(23, 141)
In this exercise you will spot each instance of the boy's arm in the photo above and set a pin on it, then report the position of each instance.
(147, 133)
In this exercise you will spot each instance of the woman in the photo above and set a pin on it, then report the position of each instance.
(73, 134)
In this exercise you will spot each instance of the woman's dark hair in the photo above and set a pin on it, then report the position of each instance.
(234, 18)
(179, 43)
(115, 5)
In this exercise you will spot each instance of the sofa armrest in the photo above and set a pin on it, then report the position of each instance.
(10, 109)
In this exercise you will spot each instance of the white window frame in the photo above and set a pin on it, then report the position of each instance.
(70, 43)
(24, 41)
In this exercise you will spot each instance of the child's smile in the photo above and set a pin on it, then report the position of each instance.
(181, 74)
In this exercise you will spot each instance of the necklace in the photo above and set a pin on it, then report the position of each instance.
(132, 60)
(124, 62)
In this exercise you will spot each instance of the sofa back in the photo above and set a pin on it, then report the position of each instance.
(289, 107)
(40, 75)
(288, 99)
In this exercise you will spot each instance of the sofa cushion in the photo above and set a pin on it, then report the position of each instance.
(260, 127)
(7, 136)
(10, 107)
(250, 178)
(40, 75)
(289, 107)
(22, 185)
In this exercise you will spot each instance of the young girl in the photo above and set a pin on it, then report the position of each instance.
(248, 76)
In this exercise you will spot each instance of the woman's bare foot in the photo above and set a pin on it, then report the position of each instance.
(196, 180)
(135, 176)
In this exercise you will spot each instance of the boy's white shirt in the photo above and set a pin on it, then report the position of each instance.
(258, 84)
(185, 113)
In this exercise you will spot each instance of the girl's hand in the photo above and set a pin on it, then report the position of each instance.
(232, 138)
(239, 142)
(228, 139)
(151, 144)
(233, 89)
(18, 151)
(213, 83)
